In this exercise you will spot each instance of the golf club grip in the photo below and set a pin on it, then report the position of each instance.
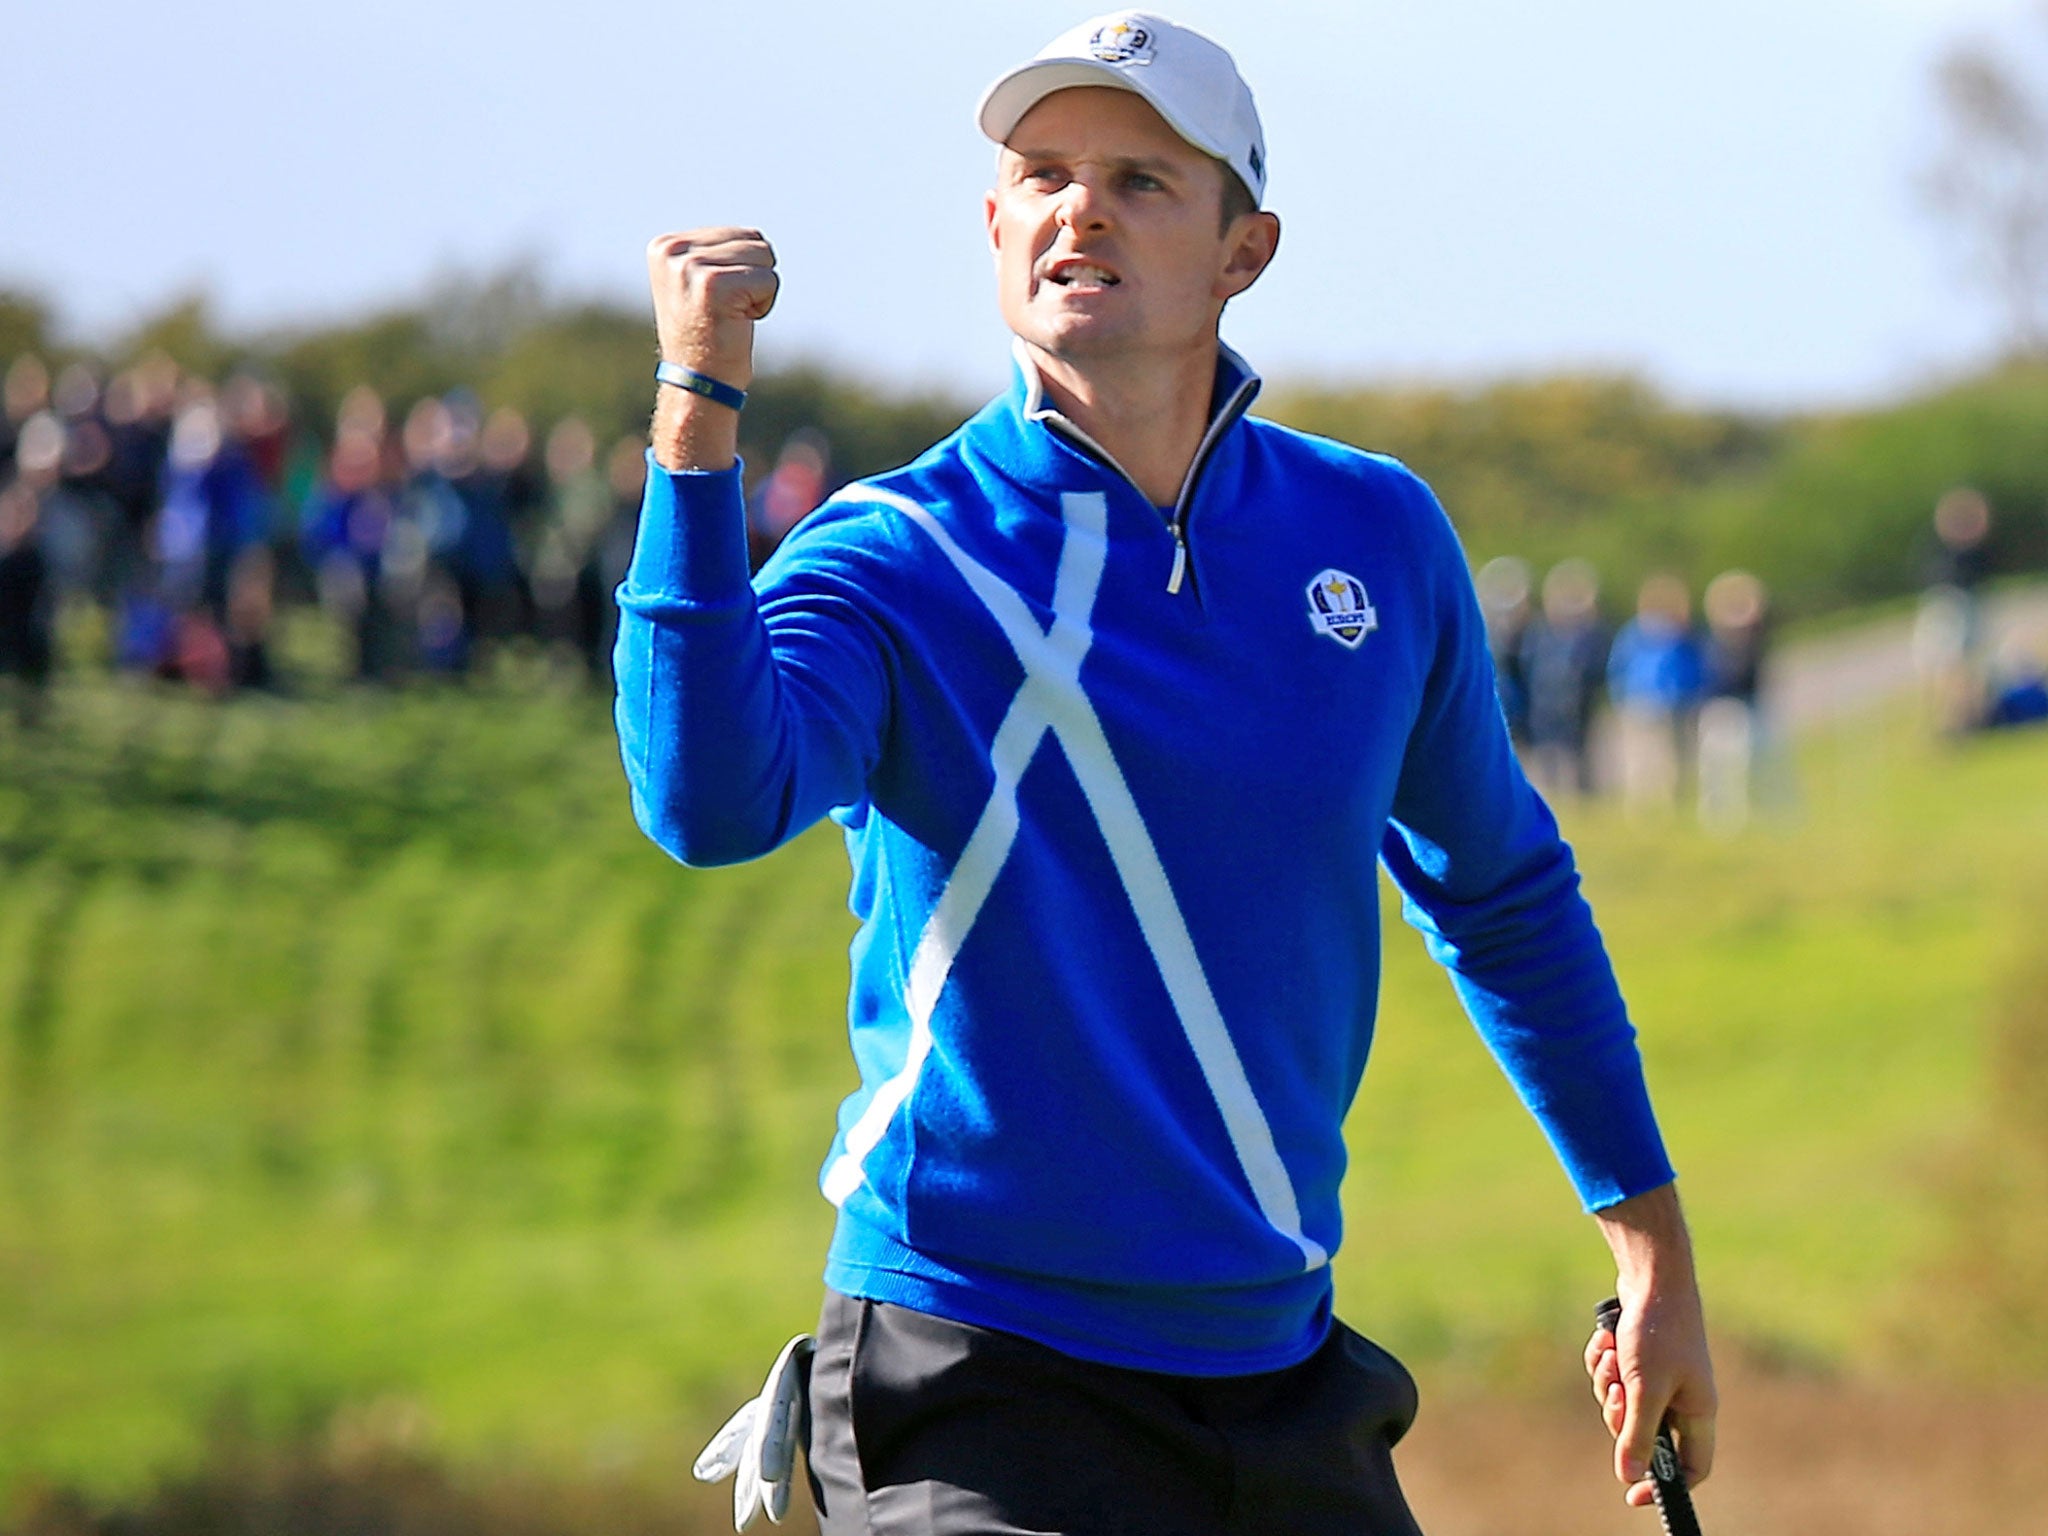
(1667, 1477)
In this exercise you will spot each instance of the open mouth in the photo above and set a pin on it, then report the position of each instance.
(1082, 274)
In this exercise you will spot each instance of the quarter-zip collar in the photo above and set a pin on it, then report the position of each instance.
(1235, 388)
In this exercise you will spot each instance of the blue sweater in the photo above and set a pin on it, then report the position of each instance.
(1113, 785)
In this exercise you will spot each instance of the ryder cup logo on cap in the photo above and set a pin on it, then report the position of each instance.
(1190, 81)
(1121, 42)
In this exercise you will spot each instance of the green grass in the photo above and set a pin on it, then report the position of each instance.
(1814, 999)
(363, 1047)
(358, 1049)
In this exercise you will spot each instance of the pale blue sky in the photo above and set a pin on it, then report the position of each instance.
(1720, 196)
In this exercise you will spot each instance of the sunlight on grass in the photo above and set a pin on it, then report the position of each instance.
(361, 1049)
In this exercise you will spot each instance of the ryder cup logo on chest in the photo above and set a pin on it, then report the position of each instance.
(1122, 42)
(1337, 607)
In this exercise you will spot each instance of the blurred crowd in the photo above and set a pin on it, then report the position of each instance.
(1668, 709)
(185, 514)
(182, 516)
(1657, 709)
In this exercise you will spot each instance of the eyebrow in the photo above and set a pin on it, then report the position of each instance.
(1149, 163)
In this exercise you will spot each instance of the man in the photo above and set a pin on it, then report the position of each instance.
(1117, 694)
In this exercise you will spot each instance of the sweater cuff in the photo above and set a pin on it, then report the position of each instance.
(693, 533)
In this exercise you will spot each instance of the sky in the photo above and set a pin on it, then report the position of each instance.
(1721, 198)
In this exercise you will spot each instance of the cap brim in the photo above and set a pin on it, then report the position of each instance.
(1005, 103)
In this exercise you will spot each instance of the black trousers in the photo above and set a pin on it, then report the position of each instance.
(925, 1427)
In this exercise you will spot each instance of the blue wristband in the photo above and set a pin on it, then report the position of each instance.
(700, 384)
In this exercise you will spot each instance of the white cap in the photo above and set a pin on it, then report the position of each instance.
(1189, 80)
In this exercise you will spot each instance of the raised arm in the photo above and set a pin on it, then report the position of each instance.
(741, 718)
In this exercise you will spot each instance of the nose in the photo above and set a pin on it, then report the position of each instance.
(1081, 207)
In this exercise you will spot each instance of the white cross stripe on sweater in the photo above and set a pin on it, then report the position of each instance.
(1052, 700)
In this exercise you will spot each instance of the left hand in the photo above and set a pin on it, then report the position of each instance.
(1657, 1365)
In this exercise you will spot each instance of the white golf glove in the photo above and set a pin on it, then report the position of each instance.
(759, 1443)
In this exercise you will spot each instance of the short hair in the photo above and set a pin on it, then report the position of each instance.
(1237, 197)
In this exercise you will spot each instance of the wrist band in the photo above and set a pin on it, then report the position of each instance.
(700, 384)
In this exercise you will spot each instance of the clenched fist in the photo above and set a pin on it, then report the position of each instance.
(710, 287)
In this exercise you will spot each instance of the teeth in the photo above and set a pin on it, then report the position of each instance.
(1086, 274)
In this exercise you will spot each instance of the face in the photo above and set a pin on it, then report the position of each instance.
(1106, 229)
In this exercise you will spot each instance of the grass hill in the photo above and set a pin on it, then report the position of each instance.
(359, 1063)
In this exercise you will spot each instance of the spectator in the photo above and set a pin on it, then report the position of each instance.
(25, 649)
(444, 492)
(791, 492)
(564, 576)
(78, 512)
(259, 418)
(1654, 675)
(1562, 658)
(39, 469)
(514, 498)
(428, 534)
(137, 411)
(479, 464)
(347, 542)
(1731, 721)
(215, 507)
(506, 451)
(1948, 632)
(24, 392)
(1503, 587)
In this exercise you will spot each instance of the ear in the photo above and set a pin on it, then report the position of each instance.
(1249, 247)
(988, 221)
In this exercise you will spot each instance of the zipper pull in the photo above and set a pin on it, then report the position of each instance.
(1180, 563)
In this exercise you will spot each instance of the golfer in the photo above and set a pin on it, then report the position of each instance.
(1121, 696)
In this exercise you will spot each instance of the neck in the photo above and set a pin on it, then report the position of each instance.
(1148, 417)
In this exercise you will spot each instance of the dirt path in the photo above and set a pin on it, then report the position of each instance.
(1797, 1456)
(1818, 681)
